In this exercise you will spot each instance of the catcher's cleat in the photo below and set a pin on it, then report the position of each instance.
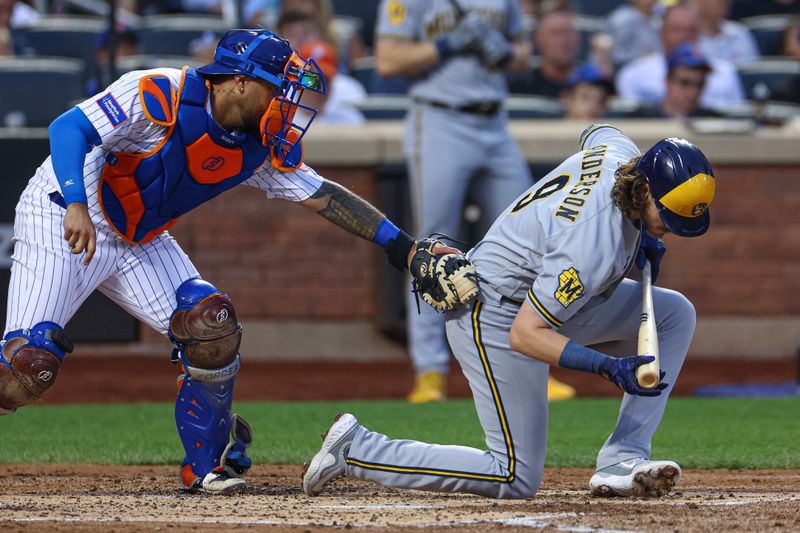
(218, 481)
(428, 387)
(636, 478)
(329, 463)
(557, 390)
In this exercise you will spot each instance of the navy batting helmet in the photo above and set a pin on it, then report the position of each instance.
(682, 184)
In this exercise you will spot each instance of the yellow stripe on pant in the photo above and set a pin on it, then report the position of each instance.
(487, 369)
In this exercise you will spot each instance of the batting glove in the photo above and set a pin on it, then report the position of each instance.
(464, 39)
(495, 48)
(651, 249)
(621, 371)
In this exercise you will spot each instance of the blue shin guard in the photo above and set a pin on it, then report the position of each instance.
(212, 436)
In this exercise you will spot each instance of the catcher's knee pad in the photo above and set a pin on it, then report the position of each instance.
(204, 326)
(30, 361)
(212, 436)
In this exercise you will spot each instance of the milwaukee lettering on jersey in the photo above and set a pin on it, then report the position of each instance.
(112, 110)
(571, 206)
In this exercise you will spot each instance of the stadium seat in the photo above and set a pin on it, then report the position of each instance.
(365, 10)
(143, 62)
(595, 8)
(768, 32)
(776, 73)
(65, 36)
(35, 90)
(531, 106)
(384, 107)
(173, 34)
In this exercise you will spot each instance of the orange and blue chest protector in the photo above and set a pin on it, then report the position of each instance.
(144, 194)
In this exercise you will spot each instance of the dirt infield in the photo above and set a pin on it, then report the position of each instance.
(125, 499)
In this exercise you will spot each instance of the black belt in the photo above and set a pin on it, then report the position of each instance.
(483, 109)
(57, 199)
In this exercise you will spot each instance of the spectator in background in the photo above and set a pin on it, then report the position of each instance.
(6, 43)
(10, 18)
(724, 39)
(791, 41)
(347, 43)
(687, 70)
(261, 12)
(789, 91)
(643, 80)
(556, 42)
(586, 94)
(127, 45)
(22, 14)
(337, 106)
(633, 29)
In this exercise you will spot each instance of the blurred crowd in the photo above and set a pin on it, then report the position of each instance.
(594, 58)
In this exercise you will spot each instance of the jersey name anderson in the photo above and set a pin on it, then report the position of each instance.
(571, 205)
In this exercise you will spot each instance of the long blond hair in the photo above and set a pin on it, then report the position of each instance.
(629, 192)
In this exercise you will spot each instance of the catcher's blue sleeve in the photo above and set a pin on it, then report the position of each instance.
(72, 136)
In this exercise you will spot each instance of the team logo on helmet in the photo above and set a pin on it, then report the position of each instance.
(213, 163)
(45, 375)
(222, 316)
(570, 287)
(699, 209)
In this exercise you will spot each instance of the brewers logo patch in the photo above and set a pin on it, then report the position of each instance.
(397, 12)
(570, 287)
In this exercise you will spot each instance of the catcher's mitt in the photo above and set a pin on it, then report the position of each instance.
(445, 281)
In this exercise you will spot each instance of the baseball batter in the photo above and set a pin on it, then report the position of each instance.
(457, 138)
(124, 166)
(552, 271)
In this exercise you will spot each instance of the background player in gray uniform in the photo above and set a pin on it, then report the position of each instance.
(456, 131)
(553, 270)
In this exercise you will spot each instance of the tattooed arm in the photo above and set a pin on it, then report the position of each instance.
(351, 212)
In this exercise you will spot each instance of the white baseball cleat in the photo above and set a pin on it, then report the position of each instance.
(329, 463)
(636, 477)
(218, 481)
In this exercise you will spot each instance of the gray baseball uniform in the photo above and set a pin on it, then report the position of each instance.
(449, 150)
(564, 248)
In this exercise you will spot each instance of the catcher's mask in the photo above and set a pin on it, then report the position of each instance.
(262, 54)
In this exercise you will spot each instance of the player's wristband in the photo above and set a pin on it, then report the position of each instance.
(443, 47)
(578, 357)
(398, 248)
(386, 232)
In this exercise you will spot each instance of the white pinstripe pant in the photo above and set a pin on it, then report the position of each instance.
(49, 283)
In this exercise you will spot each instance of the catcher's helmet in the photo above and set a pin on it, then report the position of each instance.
(259, 53)
(256, 53)
(682, 183)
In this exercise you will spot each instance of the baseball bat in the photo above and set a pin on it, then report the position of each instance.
(648, 375)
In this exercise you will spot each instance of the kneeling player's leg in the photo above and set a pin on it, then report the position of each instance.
(207, 336)
(30, 360)
(510, 394)
(618, 320)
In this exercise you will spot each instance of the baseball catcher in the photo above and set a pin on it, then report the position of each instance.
(125, 165)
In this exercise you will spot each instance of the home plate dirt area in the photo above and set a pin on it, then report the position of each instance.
(147, 498)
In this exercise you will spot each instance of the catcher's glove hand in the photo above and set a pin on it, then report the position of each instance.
(445, 280)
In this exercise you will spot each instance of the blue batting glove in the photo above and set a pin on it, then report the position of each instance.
(651, 249)
(622, 372)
